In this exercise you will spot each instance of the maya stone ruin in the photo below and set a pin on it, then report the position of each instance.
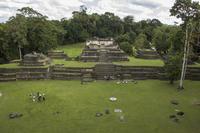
(147, 54)
(35, 59)
(57, 54)
(102, 50)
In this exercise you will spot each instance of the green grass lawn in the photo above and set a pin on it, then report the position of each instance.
(10, 65)
(146, 107)
(141, 62)
(74, 63)
(195, 65)
(72, 50)
(16, 65)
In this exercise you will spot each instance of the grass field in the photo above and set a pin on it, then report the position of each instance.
(141, 62)
(146, 107)
(74, 63)
(72, 50)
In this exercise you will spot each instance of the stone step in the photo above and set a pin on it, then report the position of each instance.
(7, 74)
(66, 74)
(148, 57)
(56, 51)
(67, 70)
(32, 78)
(7, 79)
(59, 77)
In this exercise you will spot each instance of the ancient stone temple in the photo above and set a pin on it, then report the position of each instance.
(35, 59)
(147, 54)
(57, 54)
(102, 50)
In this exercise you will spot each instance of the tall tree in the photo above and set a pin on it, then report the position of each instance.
(189, 12)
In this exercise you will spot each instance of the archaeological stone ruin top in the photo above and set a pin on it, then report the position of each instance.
(35, 59)
(57, 54)
(147, 54)
(102, 50)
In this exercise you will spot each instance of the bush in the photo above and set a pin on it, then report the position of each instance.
(173, 67)
(126, 47)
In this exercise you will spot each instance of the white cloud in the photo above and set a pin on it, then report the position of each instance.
(57, 9)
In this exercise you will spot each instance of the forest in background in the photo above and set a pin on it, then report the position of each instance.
(32, 31)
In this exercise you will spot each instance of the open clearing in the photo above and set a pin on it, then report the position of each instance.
(146, 107)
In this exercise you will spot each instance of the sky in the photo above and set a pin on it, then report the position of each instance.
(57, 9)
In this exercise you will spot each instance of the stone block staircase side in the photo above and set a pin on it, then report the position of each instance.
(7, 74)
(148, 55)
(104, 69)
(32, 73)
(57, 55)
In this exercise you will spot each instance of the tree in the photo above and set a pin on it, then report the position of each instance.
(173, 67)
(141, 42)
(160, 40)
(41, 36)
(4, 53)
(128, 23)
(126, 47)
(189, 12)
(165, 37)
(16, 32)
(29, 12)
(122, 38)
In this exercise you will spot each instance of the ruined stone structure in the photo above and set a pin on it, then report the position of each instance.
(99, 72)
(57, 55)
(147, 54)
(35, 59)
(102, 50)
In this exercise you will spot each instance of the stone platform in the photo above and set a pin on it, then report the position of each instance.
(103, 55)
(102, 71)
(147, 54)
(102, 50)
(57, 55)
(35, 59)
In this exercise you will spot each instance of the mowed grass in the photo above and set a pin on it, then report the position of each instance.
(72, 50)
(141, 62)
(146, 107)
(10, 65)
(74, 63)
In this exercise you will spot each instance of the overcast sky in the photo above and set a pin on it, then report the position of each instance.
(57, 9)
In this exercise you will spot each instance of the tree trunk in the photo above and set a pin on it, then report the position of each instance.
(184, 59)
(188, 52)
(20, 53)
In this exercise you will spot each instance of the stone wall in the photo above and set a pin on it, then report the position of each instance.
(95, 73)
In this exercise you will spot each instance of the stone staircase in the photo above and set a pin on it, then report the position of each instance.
(103, 56)
(7, 75)
(104, 69)
(57, 55)
(89, 55)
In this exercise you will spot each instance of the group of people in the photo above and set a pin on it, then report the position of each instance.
(37, 97)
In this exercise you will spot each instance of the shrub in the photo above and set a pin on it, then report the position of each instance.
(126, 47)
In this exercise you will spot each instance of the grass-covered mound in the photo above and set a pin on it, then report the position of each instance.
(72, 50)
(146, 107)
(141, 62)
